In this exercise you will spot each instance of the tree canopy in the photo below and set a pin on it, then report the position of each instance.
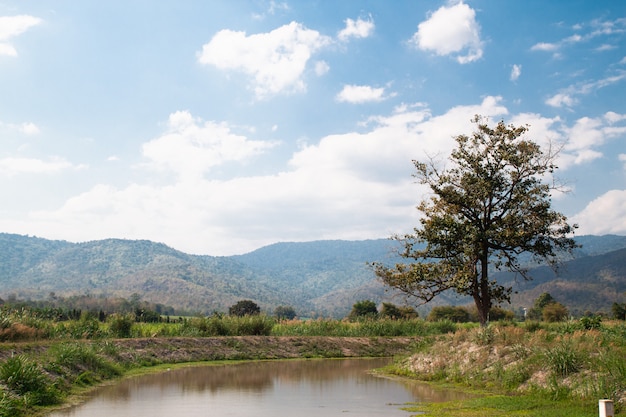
(244, 308)
(490, 205)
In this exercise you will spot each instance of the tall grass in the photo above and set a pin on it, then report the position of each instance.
(27, 381)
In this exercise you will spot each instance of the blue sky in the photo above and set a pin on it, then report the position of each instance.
(219, 127)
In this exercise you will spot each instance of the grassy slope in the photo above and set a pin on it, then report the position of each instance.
(556, 370)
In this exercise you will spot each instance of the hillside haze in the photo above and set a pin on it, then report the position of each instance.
(320, 278)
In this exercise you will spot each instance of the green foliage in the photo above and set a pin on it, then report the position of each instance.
(244, 308)
(489, 206)
(362, 309)
(285, 313)
(25, 379)
(619, 311)
(85, 361)
(591, 322)
(392, 311)
(564, 359)
(554, 312)
(452, 313)
(121, 325)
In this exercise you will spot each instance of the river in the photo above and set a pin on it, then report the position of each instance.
(304, 388)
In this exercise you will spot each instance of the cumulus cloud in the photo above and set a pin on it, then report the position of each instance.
(321, 68)
(26, 128)
(190, 147)
(320, 195)
(14, 166)
(568, 96)
(451, 30)
(12, 26)
(276, 60)
(561, 100)
(356, 29)
(516, 72)
(360, 94)
(585, 32)
(604, 215)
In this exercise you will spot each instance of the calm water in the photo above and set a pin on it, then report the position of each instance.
(286, 388)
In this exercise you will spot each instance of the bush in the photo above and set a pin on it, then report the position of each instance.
(362, 309)
(285, 313)
(563, 359)
(244, 308)
(451, 313)
(24, 378)
(121, 325)
(554, 312)
(591, 322)
(392, 311)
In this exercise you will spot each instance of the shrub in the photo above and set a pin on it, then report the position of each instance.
(244, 308)
(121, 325)
(363, 308)
(554, 312)
(452, 313)
(591, 322)
(26, 379)
(285, 313)
(563, 359)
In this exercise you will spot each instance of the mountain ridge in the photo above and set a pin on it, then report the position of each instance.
(318, 278)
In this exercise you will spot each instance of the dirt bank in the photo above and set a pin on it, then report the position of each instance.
(173, 350)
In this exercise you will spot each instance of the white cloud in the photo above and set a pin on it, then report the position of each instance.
(26, 128)
(321, 68)
(360, 94)
(29, 128)
(567, 97)
(356, 29)
(544, 46)
(14, 166)
(584, 138)
(11, 26)
(272, 8)
(451, 30)
(604, 215)
(275, 60)
(516, 72)
(591, 30)
(321, 195)
(190, 148)
(560, 100)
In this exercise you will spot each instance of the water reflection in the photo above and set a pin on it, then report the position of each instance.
(272, 388)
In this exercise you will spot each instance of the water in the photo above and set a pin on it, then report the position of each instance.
(272, 388)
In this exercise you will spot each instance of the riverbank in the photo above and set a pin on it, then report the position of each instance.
(531, 370)
(51, 373)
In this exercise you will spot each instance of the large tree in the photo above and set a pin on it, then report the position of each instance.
(487, 207)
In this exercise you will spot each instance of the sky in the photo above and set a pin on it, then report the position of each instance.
(220, 127)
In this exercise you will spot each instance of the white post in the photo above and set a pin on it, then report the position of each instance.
(606, 408)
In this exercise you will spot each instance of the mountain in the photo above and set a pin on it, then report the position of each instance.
(320, 278)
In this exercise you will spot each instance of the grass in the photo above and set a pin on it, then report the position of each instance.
(506, 405)
(552, 369)
(522, 369)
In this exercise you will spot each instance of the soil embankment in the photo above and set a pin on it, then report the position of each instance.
(172, 350)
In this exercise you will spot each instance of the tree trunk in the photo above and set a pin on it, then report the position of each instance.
(485, 296)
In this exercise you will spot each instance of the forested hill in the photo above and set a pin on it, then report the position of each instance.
(321, 278)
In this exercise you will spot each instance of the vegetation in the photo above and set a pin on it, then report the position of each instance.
(313, 277)
(285, 313)
(529, 369)
(244, 308)
(487, 209)
(43, 359)
(363, 309)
